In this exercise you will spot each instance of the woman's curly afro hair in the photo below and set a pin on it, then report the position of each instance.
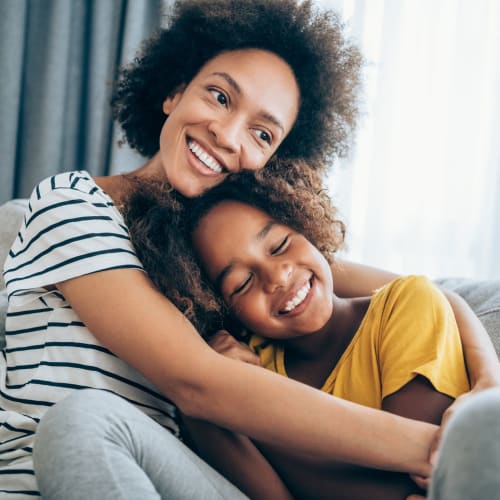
(313, 42)
(161, 223)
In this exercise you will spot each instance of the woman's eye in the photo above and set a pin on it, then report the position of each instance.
(219, 96)
(264, 136)
(241, 288)
(280, 247)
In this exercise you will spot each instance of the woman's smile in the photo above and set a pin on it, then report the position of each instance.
(228, 118)
(209, 164)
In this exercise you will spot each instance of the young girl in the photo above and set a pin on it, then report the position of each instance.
(228, 85)
(398, 350)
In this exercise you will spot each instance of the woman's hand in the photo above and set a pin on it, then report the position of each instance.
(423, 482)
(451, 410)
(224, 343)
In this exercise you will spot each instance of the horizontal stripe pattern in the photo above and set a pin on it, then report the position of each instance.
(71, 228)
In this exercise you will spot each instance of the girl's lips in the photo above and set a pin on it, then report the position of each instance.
(303, 305)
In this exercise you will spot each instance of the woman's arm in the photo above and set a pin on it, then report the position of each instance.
(353, 280)
(357, 280)
(480, 355)
(130, 317)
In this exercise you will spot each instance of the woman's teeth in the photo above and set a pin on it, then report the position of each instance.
(205, 158)
(298, 299)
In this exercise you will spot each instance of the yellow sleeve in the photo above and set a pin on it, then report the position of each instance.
(419, 336)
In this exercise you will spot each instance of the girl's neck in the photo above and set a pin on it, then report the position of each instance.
(311, 359)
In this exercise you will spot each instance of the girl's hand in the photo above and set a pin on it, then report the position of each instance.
(224, 343)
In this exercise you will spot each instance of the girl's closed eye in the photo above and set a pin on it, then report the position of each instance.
(282, 246)
(242, 286)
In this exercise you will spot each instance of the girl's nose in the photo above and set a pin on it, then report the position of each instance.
(277, 275)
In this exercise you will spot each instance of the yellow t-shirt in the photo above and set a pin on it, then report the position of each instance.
(409, 329)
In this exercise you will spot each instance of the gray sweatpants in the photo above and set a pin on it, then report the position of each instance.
(469, 459)
(96, 446)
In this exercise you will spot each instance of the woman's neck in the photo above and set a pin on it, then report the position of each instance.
(119, 187)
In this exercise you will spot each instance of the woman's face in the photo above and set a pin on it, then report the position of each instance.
(233, 115)
(273, 279)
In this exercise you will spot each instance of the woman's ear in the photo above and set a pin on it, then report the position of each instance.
(172, 100)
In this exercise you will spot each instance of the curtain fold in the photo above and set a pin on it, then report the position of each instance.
(58, 60)
(421, 189)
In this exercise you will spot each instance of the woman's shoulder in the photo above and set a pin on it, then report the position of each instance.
(74, 185)
(71, 227)
(67, 196)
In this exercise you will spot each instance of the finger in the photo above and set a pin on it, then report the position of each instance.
(415, 497)
(420, 481)
(222, 341)
(247, 356)
(434, 448)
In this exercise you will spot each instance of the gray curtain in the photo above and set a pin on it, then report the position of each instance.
(58, 60)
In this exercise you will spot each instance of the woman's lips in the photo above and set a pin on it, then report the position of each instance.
(204, 161)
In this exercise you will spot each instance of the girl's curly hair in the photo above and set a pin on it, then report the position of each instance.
(161, 223)
(313, 42)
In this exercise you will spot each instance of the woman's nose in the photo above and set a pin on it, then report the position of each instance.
(227, 133)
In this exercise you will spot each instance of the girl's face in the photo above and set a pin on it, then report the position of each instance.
(233, 115)
(273, 279)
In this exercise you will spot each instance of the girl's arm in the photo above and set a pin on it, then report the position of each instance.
(234, 455)
(131, 318)
(237, 459)
(354, 280)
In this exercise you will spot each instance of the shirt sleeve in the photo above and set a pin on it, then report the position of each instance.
(67, 233)
(419, 336)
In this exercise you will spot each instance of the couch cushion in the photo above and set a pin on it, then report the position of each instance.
(11, 216)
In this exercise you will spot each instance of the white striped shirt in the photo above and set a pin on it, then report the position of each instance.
(71, 228)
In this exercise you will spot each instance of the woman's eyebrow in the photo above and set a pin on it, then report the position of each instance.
(227, 269)
(230, 80)
(234, 85)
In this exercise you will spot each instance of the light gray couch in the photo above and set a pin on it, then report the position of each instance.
(483, 296)
(11, 215)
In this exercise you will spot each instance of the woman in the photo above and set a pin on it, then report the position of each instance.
(239, 82)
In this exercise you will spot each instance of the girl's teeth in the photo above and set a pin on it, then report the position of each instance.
(205, 158)
(299, 298)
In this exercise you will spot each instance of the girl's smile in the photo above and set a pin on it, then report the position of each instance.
(277, 283)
